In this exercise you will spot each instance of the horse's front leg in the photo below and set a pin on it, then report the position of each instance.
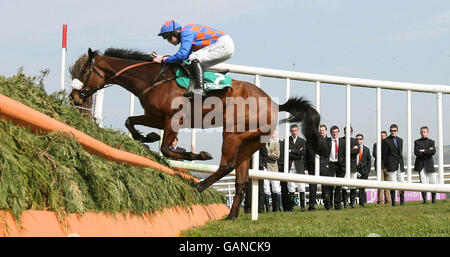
(169, 136)
(145, 121)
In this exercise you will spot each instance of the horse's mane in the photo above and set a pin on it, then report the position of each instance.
(128, 54)
(76, 68)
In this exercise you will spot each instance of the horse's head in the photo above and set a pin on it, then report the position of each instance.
(87, 78)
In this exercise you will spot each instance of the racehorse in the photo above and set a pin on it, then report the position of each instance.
(159, 95)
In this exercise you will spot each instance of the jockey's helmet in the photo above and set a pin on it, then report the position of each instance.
(169, 26)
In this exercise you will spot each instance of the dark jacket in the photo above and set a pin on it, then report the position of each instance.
(374, 154)
(424, 159)
(310, 158)
(263, 154)
(178, 149)
(353, 153)
(295, 155)
(365, 165)
(297, 151)
(392, 156)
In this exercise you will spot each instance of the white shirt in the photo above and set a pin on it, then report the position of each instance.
(333, 149)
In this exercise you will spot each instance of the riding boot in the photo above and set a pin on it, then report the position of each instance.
(198, 79)
(276, 199)
(290, 202)
(393, 197)
(402, 197)
(302, 201)
(266, 202)
(353, 198)
(424, 196)
(433, 197)
(344, 198)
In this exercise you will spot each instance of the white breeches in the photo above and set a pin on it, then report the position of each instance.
(216, 53)
(292, 186)
(396, 176)
(427, 178)
(276, 188)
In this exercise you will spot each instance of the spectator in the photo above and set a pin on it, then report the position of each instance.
(334, 144)
(310, 159)
(354, 149)
(363, 166)
(424, 150)
(296, 166)
(175, 148)
(392, 148)
(273, 153)
(384, 173)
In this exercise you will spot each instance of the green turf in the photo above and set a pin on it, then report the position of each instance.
(410, 220)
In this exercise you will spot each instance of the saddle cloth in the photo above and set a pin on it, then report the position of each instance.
(212, 80)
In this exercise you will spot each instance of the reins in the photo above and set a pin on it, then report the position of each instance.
(155, 82)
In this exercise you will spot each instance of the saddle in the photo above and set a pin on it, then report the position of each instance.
(212, 80)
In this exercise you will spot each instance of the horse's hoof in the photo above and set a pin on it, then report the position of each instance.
(230, 217)
(205, 155)
(152, 137)
(199, 187)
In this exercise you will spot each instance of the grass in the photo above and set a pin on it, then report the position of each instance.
(410, 220)
(51, 171)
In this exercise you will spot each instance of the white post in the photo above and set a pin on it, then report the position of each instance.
(255, 157)
(440, 139)
(286, 136)
(317, 159)
(378, 167)
(193, 139)
(161, 134)
(347, 136)
(254, 209)
(409, 139)
(131, 112)
(98, 107)
(230, 198)
(63, 55)
(255, 166)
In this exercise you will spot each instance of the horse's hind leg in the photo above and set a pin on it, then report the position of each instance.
(145, 121)
(241, 179)
(245, 154)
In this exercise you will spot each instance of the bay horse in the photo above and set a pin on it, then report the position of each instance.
(156, 89)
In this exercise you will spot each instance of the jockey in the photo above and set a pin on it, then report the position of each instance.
(203, 46)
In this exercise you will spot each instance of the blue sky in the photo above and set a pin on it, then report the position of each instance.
(406, 41)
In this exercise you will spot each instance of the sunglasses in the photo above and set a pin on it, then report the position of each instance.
(167, 36)
(359, 138)
(393, 130)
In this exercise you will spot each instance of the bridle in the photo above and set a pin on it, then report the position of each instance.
(85, 92)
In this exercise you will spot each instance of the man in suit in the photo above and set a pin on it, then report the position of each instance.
(424, 150)
(391, 152)
(335, 144)
(248, 186)
(175, 148)
(384, 174)
(297, 150)
(363, 164)
(354, 149)
(310, 163)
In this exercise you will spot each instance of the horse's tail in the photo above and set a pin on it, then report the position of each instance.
(301, 110)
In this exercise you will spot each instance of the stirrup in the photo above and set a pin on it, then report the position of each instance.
(190, 94)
